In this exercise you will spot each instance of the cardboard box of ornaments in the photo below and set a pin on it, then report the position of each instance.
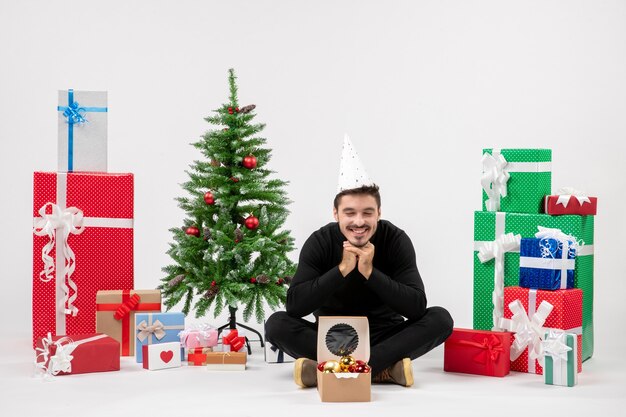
(341, 342)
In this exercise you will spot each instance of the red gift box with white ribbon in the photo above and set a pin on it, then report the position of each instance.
(570, 201)
(530, 313)
(77, 354)
(82, 243)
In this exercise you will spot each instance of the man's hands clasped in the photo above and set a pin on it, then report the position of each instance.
(361, 257)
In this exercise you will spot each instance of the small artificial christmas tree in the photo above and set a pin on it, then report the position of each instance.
(231, 251)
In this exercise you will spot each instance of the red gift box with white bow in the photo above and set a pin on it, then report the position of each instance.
(530, 313)
(77, 354)
(478, 352)
(82, 243)
(570, 201)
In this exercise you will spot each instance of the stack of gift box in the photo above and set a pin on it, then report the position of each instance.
(533, 274)
(86, 313)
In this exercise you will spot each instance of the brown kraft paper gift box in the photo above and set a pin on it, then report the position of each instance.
(226, 361)
(115, 314)
(343, 387)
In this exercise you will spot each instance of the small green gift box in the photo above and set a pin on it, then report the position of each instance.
(516, 180)
(560, 351)
(493, 228)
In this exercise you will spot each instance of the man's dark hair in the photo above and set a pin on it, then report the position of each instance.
(364, 189)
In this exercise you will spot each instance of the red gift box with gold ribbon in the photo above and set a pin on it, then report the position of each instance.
(115, 314)
(478, 352)
(82, 243)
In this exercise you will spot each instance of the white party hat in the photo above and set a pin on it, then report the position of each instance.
(352, 173)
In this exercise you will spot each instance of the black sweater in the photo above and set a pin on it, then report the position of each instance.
(394, 289)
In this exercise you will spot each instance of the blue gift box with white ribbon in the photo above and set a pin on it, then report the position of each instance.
(547, 264)
(82, 133)
(154, 328)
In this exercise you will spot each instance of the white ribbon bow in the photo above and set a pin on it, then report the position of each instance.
(65, 221)
(146, 330)
(566, 193)
(61, 361)
(554, 345)
(567, 243)
(494, 179)
(496, 250)
(528, 332)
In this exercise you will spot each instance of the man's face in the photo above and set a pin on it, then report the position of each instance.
(358, 217)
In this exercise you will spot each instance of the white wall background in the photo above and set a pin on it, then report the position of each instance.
(421, 87)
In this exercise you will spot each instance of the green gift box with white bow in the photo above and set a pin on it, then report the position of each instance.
(516, 180)
(559, 363)
(491, 231)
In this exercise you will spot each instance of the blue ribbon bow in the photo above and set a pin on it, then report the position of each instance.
(74, 114)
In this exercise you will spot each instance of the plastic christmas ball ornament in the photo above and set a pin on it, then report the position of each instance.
(193, 231)
(320, 366)
(249, 161)
(251, 222)
(209, 198)
(253, 280)
(213, 283)
(332, 367)
(346, 362)
(280, 281)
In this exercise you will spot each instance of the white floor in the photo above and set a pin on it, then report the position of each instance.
(268, 390)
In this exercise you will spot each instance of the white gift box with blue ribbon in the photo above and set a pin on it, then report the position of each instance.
(82, 134)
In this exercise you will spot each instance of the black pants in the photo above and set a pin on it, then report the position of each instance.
(388, 344)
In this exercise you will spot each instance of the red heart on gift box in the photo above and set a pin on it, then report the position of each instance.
(167, 356)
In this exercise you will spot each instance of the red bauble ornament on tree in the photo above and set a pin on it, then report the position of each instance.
(253, 280)
(208, 198)
(249, 161)
(193, 231)
(280, 281)
(230, 110)
(213, 283)
(252, 222)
